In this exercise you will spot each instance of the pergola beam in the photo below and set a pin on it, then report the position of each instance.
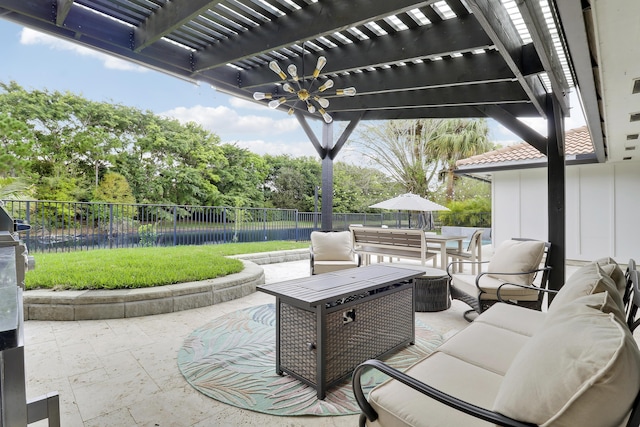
(468, 69)
(173, 15)
(488, 93)
(519, 128)
(533, 16)
(445, 38)
(62, 10)
(311, 22)
(575, 31)
(496, 22)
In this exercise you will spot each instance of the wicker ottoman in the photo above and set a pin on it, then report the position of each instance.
(432, 290)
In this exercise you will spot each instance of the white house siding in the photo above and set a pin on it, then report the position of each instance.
(602, 211)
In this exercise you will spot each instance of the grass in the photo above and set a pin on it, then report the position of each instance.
(142, 267)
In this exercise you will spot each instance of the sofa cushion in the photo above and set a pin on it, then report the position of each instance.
(399, 405)
(581, 369)
(332, 246)
(588, 279)
(486, 346)
(613, 270)
(513, 318)
(516, 256)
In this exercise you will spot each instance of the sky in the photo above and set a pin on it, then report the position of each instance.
(38, 61)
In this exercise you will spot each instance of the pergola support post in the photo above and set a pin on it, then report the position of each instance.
(327, 178)
(327, 152)
(556, 183)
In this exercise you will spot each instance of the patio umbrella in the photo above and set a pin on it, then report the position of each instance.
(410, 202)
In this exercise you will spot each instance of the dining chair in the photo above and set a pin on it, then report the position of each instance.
(473, 252)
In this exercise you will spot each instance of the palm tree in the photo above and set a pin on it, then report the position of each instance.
(11, 189)
(399, 147)
(458, 139)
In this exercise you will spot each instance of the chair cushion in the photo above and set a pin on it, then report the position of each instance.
(515, 256)
(581, 369)
(467, 283)
(587, 280)
(332, 246)
(320, 267)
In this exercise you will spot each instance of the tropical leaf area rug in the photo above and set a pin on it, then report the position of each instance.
(232, 359)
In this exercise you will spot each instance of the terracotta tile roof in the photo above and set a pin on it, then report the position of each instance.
(577, 141)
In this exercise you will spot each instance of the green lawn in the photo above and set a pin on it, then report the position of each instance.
(142, 267)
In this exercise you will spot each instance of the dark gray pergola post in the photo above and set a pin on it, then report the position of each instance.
(327, 152)
(556, 192)
(327, 178)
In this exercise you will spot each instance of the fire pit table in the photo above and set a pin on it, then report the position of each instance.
(328, 324)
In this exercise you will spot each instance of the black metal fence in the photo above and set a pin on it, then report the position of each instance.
(66, 226)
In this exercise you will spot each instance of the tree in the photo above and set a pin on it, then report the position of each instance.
(114, 188)
(358, 187)
(242, 174)
(291, 191)
(457, 139)
(291, 182)
(400, 148)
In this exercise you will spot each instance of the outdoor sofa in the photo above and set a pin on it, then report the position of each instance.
(576, 364)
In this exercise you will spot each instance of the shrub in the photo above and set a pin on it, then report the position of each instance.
(147, 234)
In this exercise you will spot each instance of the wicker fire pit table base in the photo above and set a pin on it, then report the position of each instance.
(328, 324)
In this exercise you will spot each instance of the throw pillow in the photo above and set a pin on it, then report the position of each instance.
(588, 279)
(516, 256)
(613, 270)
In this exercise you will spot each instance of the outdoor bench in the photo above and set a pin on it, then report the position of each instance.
(391, 242)
(575, 365)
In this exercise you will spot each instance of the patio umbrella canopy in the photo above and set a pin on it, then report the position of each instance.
(412, 202)
(409, 202)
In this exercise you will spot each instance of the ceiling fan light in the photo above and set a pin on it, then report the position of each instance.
(293, 71)
(273, 65)
(311, 108)
(326, 116)
(261, 95)
(276, 103)
(347, 91)
(326, 85)
(324, 102)
(322, 61)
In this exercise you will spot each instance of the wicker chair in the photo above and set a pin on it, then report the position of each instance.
(332, 251)
(473, 252)
(510, 277)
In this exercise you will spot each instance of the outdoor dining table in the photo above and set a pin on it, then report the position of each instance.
(442, 240)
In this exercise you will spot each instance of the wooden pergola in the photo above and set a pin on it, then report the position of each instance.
(407, 59)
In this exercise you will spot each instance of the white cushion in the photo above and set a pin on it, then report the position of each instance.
(581, 369)
(514, 318)
(516, 256)
(320, 267)
(487, 346)
(399, 405)
(467, 284)
(331, 246)
(587, 280)
(613, 270)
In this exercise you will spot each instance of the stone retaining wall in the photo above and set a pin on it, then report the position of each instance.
(44, 304)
